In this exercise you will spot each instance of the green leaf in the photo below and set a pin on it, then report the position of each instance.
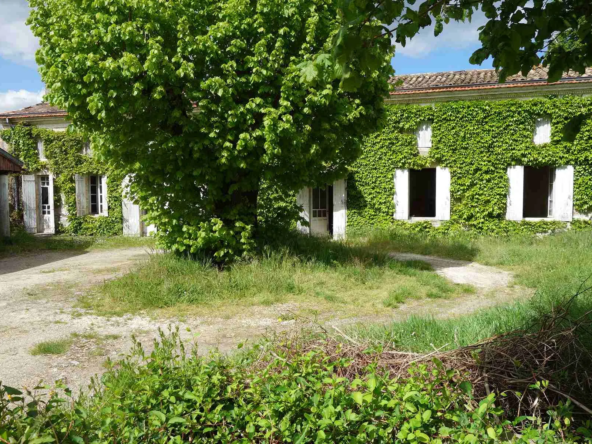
(491, 433)
(358, 397)
(12, 391)
(466, 387)
(159, 415)
(41, 440)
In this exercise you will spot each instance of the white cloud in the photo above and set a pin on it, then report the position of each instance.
(17, 42)
(14, 100)
(456, 35)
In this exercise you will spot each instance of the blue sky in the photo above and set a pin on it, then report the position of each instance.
(20, 84)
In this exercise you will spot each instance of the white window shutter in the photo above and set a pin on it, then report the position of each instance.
(30, 202)
(563, 193)
(339, 208)
(303, 200)
(542, 131)
(104, 186)
(515, 205)
(82, 200)
(132, 221)
(442, 193)
(424, 135)
(52, 223)
(402, 194)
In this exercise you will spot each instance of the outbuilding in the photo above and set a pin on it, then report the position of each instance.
(8, 165)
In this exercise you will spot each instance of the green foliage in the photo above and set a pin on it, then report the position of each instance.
(478, 141)
(172, 396)
(202, 108)
(23, 144)
(65, 159)
(516, 37)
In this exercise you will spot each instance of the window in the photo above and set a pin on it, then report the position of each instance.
(424, 136)
(97, 197)
(319, 202)
(538, 192)
(422, 193)
(41, 150)
(86, 149)
(45, 206)
(542, 131)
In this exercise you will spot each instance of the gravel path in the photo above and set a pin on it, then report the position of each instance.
(462, 272)
(38, 295)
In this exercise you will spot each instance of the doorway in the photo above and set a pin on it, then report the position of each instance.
(46, 225)
(321, 220)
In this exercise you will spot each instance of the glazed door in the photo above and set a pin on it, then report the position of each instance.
(319, 220)
(45, 205)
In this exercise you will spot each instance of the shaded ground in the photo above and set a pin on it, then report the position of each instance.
(38, 294)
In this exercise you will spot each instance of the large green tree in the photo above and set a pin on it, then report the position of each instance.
(518, 34)
(202, 101)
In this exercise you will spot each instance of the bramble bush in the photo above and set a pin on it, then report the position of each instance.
(173, 396)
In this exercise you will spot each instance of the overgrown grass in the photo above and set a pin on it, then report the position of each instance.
(319, 275)
(57, 347)
(21, 242)
(554, 265)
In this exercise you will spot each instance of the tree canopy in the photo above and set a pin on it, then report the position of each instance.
(518, 35)
(203, 101)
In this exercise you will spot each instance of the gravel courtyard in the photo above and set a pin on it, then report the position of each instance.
(38, 295)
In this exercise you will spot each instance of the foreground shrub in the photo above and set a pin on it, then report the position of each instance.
(174, 396)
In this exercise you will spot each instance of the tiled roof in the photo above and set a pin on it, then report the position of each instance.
(411, 83)
(40, 110)
(477, 78)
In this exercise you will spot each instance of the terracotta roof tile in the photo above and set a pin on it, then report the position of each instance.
(470, 79)
(40, 110)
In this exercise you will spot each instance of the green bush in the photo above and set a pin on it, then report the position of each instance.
(300, 396)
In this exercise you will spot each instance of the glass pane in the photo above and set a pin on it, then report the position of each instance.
(44, 195)
(315, 198)
(323, 198)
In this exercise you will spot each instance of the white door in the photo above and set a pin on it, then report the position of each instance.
(46, 225)
(319, 221)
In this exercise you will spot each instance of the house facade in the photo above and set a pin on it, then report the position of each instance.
(457, 149)
(78, 194)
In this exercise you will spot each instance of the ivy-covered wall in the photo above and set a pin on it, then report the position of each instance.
(477, 140)
(65, 159)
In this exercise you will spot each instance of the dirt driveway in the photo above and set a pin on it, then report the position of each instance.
(38, 295)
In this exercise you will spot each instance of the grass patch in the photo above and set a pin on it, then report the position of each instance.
(329, 277)
(57, 347)
(21, 242)
(554, 265)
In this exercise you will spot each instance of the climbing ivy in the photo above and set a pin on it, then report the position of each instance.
(65, 159)
(477, 141)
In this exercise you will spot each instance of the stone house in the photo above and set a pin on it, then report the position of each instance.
(42, 212)
(539, 193)
(423, 187)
